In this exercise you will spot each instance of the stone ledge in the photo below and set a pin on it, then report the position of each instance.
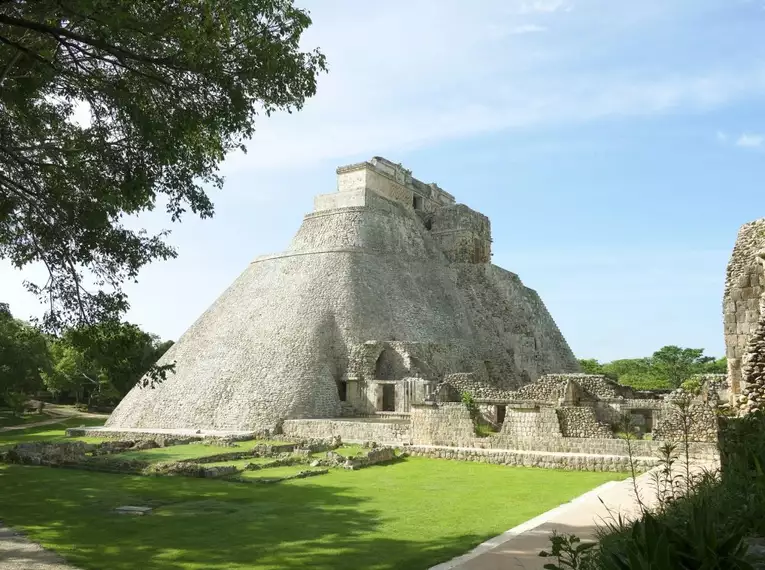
(133, 433)
(565, 461)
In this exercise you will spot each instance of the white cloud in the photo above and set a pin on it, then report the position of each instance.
(722, 136)
(748, 140)
(527, 29)
(468, 73)
(547, 6)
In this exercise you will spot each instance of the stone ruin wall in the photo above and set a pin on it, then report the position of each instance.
(442, 424)
(743, 314)
(581, 406)
(582, 422)
(531, 422)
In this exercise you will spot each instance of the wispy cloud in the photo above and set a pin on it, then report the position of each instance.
(482, 71)
(527, 29)
(547, 6)
(722, 136)
(748, 140)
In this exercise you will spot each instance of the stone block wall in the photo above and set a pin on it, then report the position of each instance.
(531, 421)
(441, 424)
(753, 371)
(591, 446)
(391, 432)
(463, 234)
(612, 463)
(582, 422)
(744, 289)
(703, 423)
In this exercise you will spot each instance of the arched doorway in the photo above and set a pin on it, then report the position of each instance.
(389, 366)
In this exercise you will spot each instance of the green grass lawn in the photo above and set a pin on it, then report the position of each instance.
(51, 432)
(191, 451)
(408, 515)
(7, 418)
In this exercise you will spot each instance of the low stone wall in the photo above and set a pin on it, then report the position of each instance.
(703, 423)
(589, 446)
(349, 430)
(568, 462)
(441, 424)
(531, 421)
(372, 457)
(582, 422)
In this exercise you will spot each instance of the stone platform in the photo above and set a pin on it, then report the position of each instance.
(128, 433)
(381, 430)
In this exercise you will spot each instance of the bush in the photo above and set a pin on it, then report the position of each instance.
(692, 386)
(700, 522)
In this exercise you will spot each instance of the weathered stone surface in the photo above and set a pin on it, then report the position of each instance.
(582, 422)
(42, 453)
(389, 261)
(130, 510)
(743, 313)
(569, 462)
(352, 431)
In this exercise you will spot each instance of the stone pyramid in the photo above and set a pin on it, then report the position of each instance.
(386, 288)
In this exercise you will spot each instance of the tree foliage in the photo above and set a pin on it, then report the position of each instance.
(166, 89)
(23, 359)
(666, 368)
(98, 363)
(104, 360)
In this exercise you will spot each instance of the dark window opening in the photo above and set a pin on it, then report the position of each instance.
(428, 224)
(417, 202)
(389, 398)
(342, 390)
(501, 411)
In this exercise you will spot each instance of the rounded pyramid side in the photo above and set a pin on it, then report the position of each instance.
(276, 343)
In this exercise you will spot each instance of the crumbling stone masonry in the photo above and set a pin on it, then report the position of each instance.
(744, 316)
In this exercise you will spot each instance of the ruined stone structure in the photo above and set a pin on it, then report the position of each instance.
(386, 290)
(744, 317)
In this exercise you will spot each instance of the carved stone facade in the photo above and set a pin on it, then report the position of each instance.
(386, 289)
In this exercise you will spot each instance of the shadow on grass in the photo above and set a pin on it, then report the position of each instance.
(203, 524)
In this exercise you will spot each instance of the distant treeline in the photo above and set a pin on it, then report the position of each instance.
(666, 368)
(94, 364)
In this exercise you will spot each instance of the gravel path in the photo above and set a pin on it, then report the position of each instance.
(61, 413)
(19, 553)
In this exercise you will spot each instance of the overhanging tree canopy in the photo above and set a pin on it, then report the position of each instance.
(169, 88)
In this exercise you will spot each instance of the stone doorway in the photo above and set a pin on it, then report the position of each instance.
(501, 412)
(388, 397)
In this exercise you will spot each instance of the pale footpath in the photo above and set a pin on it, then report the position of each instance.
(519, 548)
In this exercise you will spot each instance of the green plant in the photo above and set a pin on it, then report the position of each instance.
(655, 545)
(472, 408)
(692, 386)
(667, 483)
(570, 553)
(627, 433)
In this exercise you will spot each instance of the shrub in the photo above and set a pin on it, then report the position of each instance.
(692, 386)
(701, 520)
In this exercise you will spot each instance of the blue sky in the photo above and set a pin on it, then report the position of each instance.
(617, 147)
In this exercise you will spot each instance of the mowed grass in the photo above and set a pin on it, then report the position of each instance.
(51, 432)
(411, 514)
(408, 515)
(193, 451)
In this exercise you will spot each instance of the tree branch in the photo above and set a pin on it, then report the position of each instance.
(59, 32)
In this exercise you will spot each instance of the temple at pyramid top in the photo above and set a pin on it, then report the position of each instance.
(387, 179)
